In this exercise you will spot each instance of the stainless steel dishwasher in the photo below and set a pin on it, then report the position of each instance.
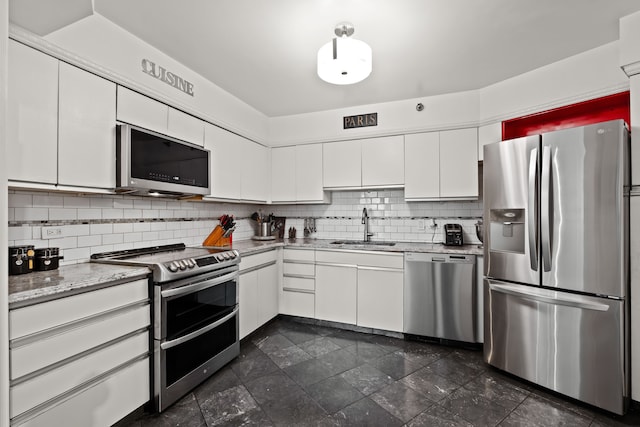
(440, 296)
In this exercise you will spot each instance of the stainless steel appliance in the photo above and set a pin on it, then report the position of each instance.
(149, 163)
(195, 299)
(556, 281)
(441, 296)
(453, 235)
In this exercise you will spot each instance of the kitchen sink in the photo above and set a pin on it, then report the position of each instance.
(361, 242)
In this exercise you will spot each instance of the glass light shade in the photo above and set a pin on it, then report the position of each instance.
(352, 63)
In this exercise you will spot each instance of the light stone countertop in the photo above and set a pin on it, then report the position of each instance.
(248, 247)
(40, 286)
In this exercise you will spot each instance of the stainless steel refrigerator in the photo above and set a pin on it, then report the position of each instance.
(556, 286)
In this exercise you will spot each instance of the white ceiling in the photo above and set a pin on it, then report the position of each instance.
(264, 52)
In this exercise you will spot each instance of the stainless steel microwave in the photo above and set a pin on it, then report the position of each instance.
(149, 163)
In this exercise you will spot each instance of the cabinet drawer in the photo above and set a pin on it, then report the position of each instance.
(102, 405)
(299, 255)
(298, 304)
(38, 354)
(28, 394)
(299, 283)
(39, 317)
(365, 259)
(299, 269)
(255, 260)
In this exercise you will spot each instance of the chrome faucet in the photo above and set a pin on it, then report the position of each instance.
(365, 221)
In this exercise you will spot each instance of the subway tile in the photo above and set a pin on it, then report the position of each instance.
(150, 213)
(19, 233)
(76, 254)
(132, 213)
(101, 202)
(142, 204)
(76, 230)
(123, 203)
(11, 214)
(141, 226)
(112, 239)
(125, 227)
(63, 243)
(150, 235)
(132, 237)
(158, 204)
(89, 213)
(62, 214)
(20, 200)
(112, 213)
(76, 202)
(101, 228)
(47, 201)
(89, 241)
(31, 214)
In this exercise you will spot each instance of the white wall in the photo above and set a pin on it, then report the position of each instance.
(450, 111)
(578, 78)
(4, 305)
(102, 42)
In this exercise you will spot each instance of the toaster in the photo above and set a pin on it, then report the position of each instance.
(453, 235)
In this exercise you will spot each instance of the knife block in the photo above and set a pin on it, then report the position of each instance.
(216, 238)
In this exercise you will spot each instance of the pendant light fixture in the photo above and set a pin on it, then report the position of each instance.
(344, 60)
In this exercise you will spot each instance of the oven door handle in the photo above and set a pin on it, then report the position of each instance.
(168, 344)
(199, 286)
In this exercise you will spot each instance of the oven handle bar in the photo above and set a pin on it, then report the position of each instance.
(199, 286)
(168, 344)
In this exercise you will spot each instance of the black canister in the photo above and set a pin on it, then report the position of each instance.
(20, 259)
(47, 259)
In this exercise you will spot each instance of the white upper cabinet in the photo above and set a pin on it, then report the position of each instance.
(422, 166)
(383, 162)
(296, 174)
(185, 127)
(255, 171)
(142, 111)
(365, 163)
(342, 164)
(239, 167)
(283, 174)
(309, 174)
(442, 165)
(459, 164)
(225, 162)
(86, 134)
(488, 134)
(32, 119)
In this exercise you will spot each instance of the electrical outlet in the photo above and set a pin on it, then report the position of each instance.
(51, 232)
(421, 225)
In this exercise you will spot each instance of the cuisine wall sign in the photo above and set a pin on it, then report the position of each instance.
(172, 79)
(360, 121)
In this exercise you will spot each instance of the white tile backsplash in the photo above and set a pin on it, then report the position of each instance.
(100, 223)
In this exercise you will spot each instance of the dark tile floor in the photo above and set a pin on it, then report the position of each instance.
(296, 374)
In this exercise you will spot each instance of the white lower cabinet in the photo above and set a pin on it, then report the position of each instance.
(258, 290)
(380, 298)
(83, 357)
(336, 293)
(360, 288)
(298, 283)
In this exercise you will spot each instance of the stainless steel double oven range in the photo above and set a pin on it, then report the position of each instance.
(195, 324)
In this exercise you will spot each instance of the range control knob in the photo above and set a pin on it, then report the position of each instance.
(220, 257)
(172, 267)
(182, 264)
(232, 255)
(191, 263)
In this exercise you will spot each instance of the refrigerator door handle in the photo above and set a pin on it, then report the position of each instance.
(531, 209)
(549, 297)
(545, 208)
